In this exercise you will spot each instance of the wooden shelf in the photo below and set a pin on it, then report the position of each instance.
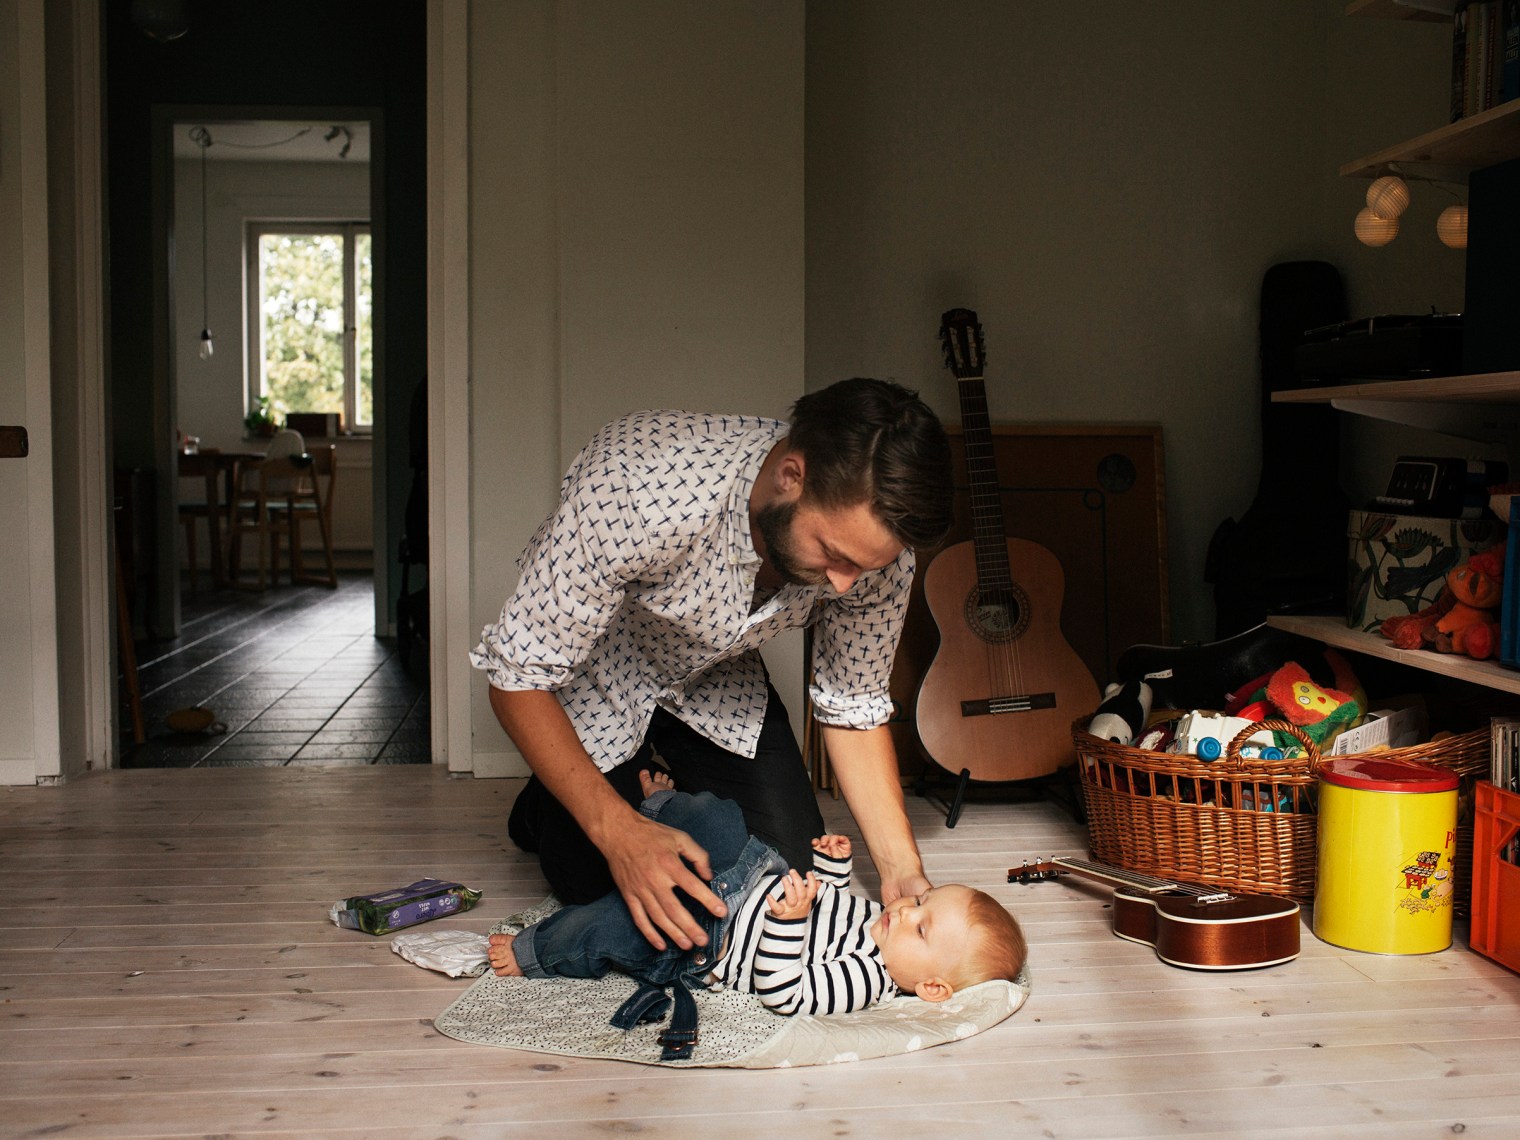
(1485, 388)
(1479, 140)
(1388, 10)
(1334, 631)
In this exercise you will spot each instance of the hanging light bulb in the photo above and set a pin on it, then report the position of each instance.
(202, 139)
(1374, 230)
(1388, 196)
(1451, 226)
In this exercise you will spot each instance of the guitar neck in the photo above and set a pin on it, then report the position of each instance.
(988, 533)
(1146, 883)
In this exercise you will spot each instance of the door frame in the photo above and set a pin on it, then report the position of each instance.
(448, 390)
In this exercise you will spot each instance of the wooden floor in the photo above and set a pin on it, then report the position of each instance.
(168, 968)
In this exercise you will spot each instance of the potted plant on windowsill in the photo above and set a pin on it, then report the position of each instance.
(260, 423)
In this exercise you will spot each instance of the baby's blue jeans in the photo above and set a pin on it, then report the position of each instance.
(588, 941)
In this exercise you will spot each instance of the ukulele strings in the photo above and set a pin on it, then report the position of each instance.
(1136, 878)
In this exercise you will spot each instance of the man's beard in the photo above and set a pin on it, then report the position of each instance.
(775, 523)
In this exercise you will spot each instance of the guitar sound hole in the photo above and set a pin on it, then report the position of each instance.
(997, 615)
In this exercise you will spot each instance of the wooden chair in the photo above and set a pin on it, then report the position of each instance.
(205, 466)
(263, 487)
(308, 501)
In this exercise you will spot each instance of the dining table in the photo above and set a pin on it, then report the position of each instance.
(220, 471)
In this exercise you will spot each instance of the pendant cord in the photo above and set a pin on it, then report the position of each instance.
(202, 138)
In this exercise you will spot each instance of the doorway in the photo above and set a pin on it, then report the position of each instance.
(274, 62)
(274, 319)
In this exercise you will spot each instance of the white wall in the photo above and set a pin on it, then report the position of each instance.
(29, 688)
(636, 240)
(1105, 184)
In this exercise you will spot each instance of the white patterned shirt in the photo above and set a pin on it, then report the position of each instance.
(824, 962)
(636, 592)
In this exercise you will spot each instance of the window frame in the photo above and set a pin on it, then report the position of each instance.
(253, 290)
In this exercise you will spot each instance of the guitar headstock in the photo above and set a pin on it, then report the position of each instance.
(961, 334)
(1035, 872)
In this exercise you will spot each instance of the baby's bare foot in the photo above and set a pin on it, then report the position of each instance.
(653, 780)
(503, 961)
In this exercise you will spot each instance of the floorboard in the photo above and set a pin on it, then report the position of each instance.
(168, 968)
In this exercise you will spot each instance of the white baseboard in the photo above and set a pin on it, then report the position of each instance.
(499, 765)
(18, 770)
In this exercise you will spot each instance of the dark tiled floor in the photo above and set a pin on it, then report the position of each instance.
(295, 673)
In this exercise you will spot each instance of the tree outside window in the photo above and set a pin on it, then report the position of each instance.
(314, 308)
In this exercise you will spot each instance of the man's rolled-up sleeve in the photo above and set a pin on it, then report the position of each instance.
(854, 642)
(574, 572)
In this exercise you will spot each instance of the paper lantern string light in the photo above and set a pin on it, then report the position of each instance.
(1388, 197)
(1451, 226)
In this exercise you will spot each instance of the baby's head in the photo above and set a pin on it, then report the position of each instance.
(946, 939)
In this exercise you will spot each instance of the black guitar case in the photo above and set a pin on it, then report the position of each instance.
(1287, 552)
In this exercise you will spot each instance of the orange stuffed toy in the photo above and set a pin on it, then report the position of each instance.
(1464, 619)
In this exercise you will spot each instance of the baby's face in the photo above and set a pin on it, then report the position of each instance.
(924, 937)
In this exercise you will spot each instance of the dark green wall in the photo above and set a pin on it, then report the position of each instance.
(266, 56)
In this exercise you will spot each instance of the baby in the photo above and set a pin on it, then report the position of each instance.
(801, 944)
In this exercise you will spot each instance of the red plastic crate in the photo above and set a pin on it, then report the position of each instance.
(1496, 878)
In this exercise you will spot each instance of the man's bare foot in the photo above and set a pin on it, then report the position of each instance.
(652, 780)
(503, 961)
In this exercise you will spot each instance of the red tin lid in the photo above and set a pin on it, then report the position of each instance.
(1375, 774)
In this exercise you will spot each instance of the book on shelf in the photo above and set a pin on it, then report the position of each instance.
(1509, 75)
(1509, 595)
(1485, 55)
(1459, 63)
(1504, 754)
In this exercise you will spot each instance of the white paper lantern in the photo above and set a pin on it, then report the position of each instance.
(1388, 196)
(1373, 230)
(1451, 227)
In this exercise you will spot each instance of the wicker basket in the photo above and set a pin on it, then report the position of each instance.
(1175, 816)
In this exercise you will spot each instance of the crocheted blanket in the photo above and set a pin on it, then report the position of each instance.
(570, 1016)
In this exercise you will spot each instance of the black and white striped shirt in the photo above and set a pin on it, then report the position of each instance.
(825, 962)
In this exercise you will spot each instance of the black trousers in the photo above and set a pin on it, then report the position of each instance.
(773, 790)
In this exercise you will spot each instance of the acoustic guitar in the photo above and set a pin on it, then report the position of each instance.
(1196, 927)
(998, 699)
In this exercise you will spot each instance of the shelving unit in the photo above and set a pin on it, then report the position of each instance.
(1436, 402)
(1479, 140)
(1388, 10)
(1488, 388)
(1334, 631)
(1483, 407)
(1491, 400)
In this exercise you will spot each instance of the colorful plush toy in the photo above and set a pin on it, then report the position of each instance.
(1321, 712)
(1464, 619)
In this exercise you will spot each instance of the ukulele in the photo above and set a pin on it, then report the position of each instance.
(1196, 927)
(998, 699)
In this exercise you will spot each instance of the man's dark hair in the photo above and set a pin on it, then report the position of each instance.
(876, 442)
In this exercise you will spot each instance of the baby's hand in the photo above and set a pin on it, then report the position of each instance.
(834, 846)
(798, 899)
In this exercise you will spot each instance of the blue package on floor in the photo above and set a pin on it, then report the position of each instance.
(385, 911)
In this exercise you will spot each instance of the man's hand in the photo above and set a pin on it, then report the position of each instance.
(907, 887)
(798, 899)
(834, 846)
(648, 862)
(645, 857)
(865, 764)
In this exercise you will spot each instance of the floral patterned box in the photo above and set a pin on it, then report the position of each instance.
(1397, 564)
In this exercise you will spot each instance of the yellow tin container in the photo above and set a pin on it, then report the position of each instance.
(1387, 841)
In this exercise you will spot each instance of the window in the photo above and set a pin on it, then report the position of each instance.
(311, 300)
